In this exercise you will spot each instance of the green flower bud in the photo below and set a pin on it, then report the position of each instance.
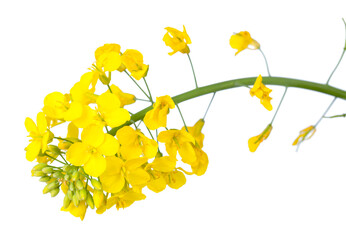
(78, 195)
(67, 177)
(90, 200)
(75, 200)
(69, 194)
(72, 187)
(96, 184)
(66, 168)
(38, 173)
(39, 166)
(83, 194)
(58, 175)
(44, 179)
(54, 149)
(47, 170)
(54, 192)
(79, 184)
(66, 202)
(75, 175)
(46, 189)
(53, 185)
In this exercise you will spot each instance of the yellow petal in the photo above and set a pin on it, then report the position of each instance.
(74, 112)
(135, 163)
(138, 177)
(30, 125)
(96, 165)
(187, 153)
(107, 102)
(32, 150)
(72, 131)
(164, 164)
(78, 154)
(93, 135)
(117, 117)
(157, 185)
(110, 146)
(177, 180)
(99, 198)
(41, 123)
(150, 147)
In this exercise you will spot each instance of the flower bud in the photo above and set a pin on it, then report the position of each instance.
(75, 175)
(44, 179)
(66, 202)
(66, 168)
(75, 200)
(79, 184)
(53, 185)
(90, 200)
(67, 177)
(83, 194)
(47, 170)
(54, 149)
(58, 175)
(39, 166)
(71, 187)
(46, 189)
(38, 173)
(96, 184)
(69, 194)
(54, 192)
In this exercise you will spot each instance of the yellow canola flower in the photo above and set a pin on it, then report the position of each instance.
(56, 104)
(179, 141)
(118, 172)
(108, 58)
(39, 136)
(95, 143)
(175, 179)
(108, 105)
(133, 61)
(196, 132)
(157, 117)
(82, 92)
(177, 40)
(304, 134)
(242, 41)
(77, 211)
(199, 167)
(262, 92)
(134, 143)
(254, 142)
(124, 98)
(124, 199)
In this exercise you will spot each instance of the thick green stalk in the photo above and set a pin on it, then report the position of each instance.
(279, 81)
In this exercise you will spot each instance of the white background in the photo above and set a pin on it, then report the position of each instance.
(274, 193)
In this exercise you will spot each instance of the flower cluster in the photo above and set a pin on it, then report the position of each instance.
(98, 168)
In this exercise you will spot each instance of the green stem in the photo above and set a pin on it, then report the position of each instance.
(137, 84)
(342, 55)
(181, 115)
(216, 87)
(193, 70)
(151, 97)
(63, 139)
(282, 98)
(211, 100)
(325, 112)
(265, 59)
(54, 158)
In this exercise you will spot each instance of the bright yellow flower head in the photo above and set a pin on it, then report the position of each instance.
(56, 104)
(304, 134)
(242, 41)
(125, 98)
(262, 92)
(108, 105)
(177, 40)
(39, 136)
(157, 117)
(108, 57)
(134, 143)
(81, 92)
(118, 172)
(199, 167)
(254, 142)
(133, 60)
(124, 199)
(179, 141)
(95, 143)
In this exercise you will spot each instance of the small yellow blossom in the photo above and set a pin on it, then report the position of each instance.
(134, 143)
(176, 179)
(108, 105)
(118, 172)
(133, 60)
(304, 134)
(77, 211)
(196, 132)
(108, 57)
(242, 41)
(262, 92)
(199, 167)
(124, 199)
(95, 143)
(157, 117)
(177, 40)
(56, 104)
(125, 98)
(179, 141)
(254, 142)
(39, 136)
